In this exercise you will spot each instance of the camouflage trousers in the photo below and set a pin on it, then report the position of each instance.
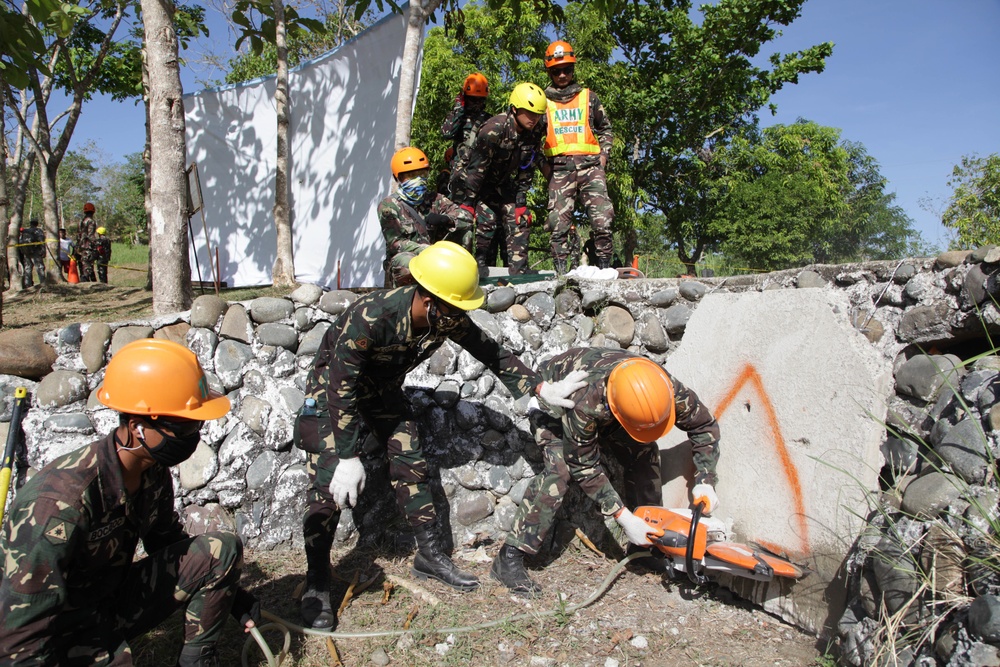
(200, 574)
(544, 496)
(491, 214)
(33, 263)
(589, 185)
(386, 411)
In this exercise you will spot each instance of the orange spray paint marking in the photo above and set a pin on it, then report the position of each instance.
(749, 374)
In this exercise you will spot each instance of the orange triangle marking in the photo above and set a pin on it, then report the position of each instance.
(749, 374)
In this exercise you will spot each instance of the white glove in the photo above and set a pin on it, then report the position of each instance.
(556, 394)
(705, 493)
(348, 482)
(636, 530)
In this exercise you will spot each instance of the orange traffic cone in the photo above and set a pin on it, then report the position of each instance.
(73, 276)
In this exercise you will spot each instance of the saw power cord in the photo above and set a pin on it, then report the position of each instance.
(286, 627)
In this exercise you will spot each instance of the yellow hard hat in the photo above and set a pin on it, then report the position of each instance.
(159, 378)
(449, 272)
(529, 97)
(641, 397)
(102, 231)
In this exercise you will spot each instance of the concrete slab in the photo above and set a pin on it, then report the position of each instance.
(800, 396)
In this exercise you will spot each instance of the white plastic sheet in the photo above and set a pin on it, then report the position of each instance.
(342, 130)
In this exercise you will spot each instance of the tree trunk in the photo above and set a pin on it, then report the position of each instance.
(283, 272)
(4, 206)
(168, 183)
(47, 179)
(146, 173)
(419, 11)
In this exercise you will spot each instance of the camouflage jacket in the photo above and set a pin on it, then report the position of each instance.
(68, 542)
(462, 127)
(592, 421)
(501, 163)
(34, 237)
(404, 233)
(600, 124)
(374, 340)
(102, 248)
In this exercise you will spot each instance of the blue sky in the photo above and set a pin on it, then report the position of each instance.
(916, 81)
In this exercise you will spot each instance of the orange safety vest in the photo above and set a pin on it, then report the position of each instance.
(569, 130)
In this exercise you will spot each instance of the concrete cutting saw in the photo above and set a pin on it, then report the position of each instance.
(698, 546)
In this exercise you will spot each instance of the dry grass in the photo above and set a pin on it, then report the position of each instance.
(680, 625)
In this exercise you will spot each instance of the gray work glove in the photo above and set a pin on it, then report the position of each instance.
(348, 482)
(556, 395)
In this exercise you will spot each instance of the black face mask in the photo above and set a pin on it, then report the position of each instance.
(175, 448)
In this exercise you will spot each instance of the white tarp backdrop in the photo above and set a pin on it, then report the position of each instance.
(342, 127)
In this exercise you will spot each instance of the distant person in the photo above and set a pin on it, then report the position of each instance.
(86, 241)
(66, 249)
(102, 251)
(32, 247)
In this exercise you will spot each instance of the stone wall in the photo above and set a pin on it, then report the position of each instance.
(476, 437)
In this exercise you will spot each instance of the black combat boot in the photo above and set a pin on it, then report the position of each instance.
(653, 559)
(508, 569)
(604, 262)
(315, 607)
(198, 656)
(431, 562)
(560, 265)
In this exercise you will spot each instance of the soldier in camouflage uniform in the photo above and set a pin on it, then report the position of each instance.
(466, 117)
(358, 375)
(71, 592)
(86, 244)
(413, 216)
(628, 403)
(498, 174)
(32, 242)
(577, 146)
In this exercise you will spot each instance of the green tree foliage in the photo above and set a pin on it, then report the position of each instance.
(973, 209)
(688, 86)
(22, 42)
(302, 46)
(506, 47)
(795, 194)
(122, 204)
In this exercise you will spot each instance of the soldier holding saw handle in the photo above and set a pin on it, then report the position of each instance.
(629, 402)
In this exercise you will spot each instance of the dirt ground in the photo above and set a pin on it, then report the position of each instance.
(642, 619)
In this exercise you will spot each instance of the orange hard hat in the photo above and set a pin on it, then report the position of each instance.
(559, 53)
(476, 85)
(408, 159)
(88, 208)
(159, 378)
(641, 396)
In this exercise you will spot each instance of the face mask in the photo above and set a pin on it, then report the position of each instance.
(441, 323)
(413, 190)
(175, 448)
